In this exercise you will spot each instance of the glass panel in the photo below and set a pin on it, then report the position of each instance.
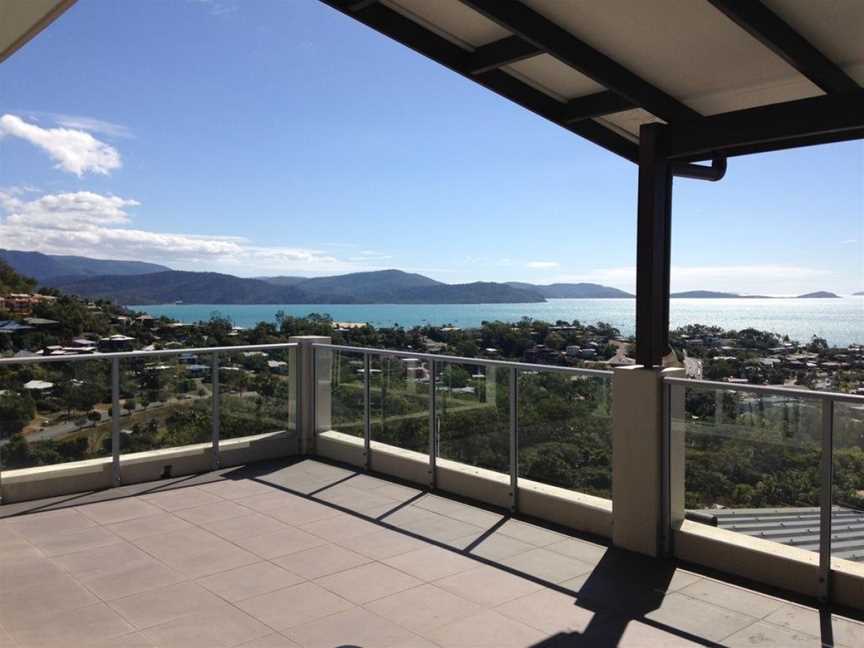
(165, 401)
(55, 412)
(473, 407)
(565, 431)
(345, 371)
(752, 464)
(257, 393)
(400, 402)
(847, 529)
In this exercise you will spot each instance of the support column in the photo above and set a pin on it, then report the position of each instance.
(637, 459)
(653, 251)
(313, 388)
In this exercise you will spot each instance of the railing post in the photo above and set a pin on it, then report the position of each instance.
(826, 499)
(367, 407)
(666, 475)
(115, 421)
(514, 439)
(433, 426)
(214, 381)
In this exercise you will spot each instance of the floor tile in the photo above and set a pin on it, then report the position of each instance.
(212, 512)
(368, 582)
(77, 627)
(431, 563)
(274, 640)
(459, 511)
(698, 618)
(299, 511)
(808, 621)
(118, 510)
(439, 528)
(485, 630)
(587, 552)
(355, 499)
(628, 633)
(102, 560)
(132, 579)
(771, 636)
(340, 528)
(732, 597)
(273, 499)
(195, 552)
(487, 585)
(354, 627)
(497, 547)
(66, 542)
(40, 525)
(232, 489)
(423, 608)
(180, 498)
(41, 600)
(150, 525)
(217, 627)
(321, 561)
(251, 580)
(530, 533)
(285, 541)
(247, 525)
(384, 544)
(546, 565)
(548, 611)
(291, 606)
(165, 604)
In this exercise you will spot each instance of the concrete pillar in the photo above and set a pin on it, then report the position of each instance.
(637, 442)
(314, 388)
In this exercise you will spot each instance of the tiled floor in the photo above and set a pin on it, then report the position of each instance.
(314, 555)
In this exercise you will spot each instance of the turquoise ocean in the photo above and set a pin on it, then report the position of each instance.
(840, 321)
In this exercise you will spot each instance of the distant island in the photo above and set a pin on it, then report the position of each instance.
(859, 293)
(819, 294)
(136, 282)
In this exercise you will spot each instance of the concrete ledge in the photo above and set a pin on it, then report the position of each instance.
(96, 474)
(778, 565)
(567, 508)
(848, 583)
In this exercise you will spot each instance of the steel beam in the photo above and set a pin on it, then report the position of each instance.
(775, 34)
(570, 50)
(404, 30)
(500, 53)
(653, 247)
(774, 127)
(595, 105)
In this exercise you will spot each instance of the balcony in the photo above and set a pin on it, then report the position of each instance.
(318, 495)
(301, 552)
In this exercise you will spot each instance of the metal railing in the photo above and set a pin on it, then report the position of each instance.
(115, 357)
(826, 467)
(434, 360)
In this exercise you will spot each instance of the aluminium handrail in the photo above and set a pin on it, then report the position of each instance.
(83, 357)
(507, 364)
(767, 389)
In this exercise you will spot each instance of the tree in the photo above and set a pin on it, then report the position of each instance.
(15, 412)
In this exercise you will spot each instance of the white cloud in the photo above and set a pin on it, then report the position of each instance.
(90, 224)
(93, 125)
(540, 265)
(74, 150)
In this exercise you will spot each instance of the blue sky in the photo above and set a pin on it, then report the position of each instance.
(267, 137)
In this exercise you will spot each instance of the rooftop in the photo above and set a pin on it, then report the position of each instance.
(307, 553)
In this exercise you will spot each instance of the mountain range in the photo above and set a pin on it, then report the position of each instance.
(137, 282)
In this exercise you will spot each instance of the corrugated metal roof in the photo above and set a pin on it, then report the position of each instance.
(797, 527)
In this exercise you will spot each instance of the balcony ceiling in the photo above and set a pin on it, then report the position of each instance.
(21, 20)
(602, 69)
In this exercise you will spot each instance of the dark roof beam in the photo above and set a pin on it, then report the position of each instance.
(595, 105)
(827, 118)
(404, 30)
(546, 35)
(500, 53)
(773, 32)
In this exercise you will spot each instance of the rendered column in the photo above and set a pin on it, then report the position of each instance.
(637, 447)
(314, 388)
